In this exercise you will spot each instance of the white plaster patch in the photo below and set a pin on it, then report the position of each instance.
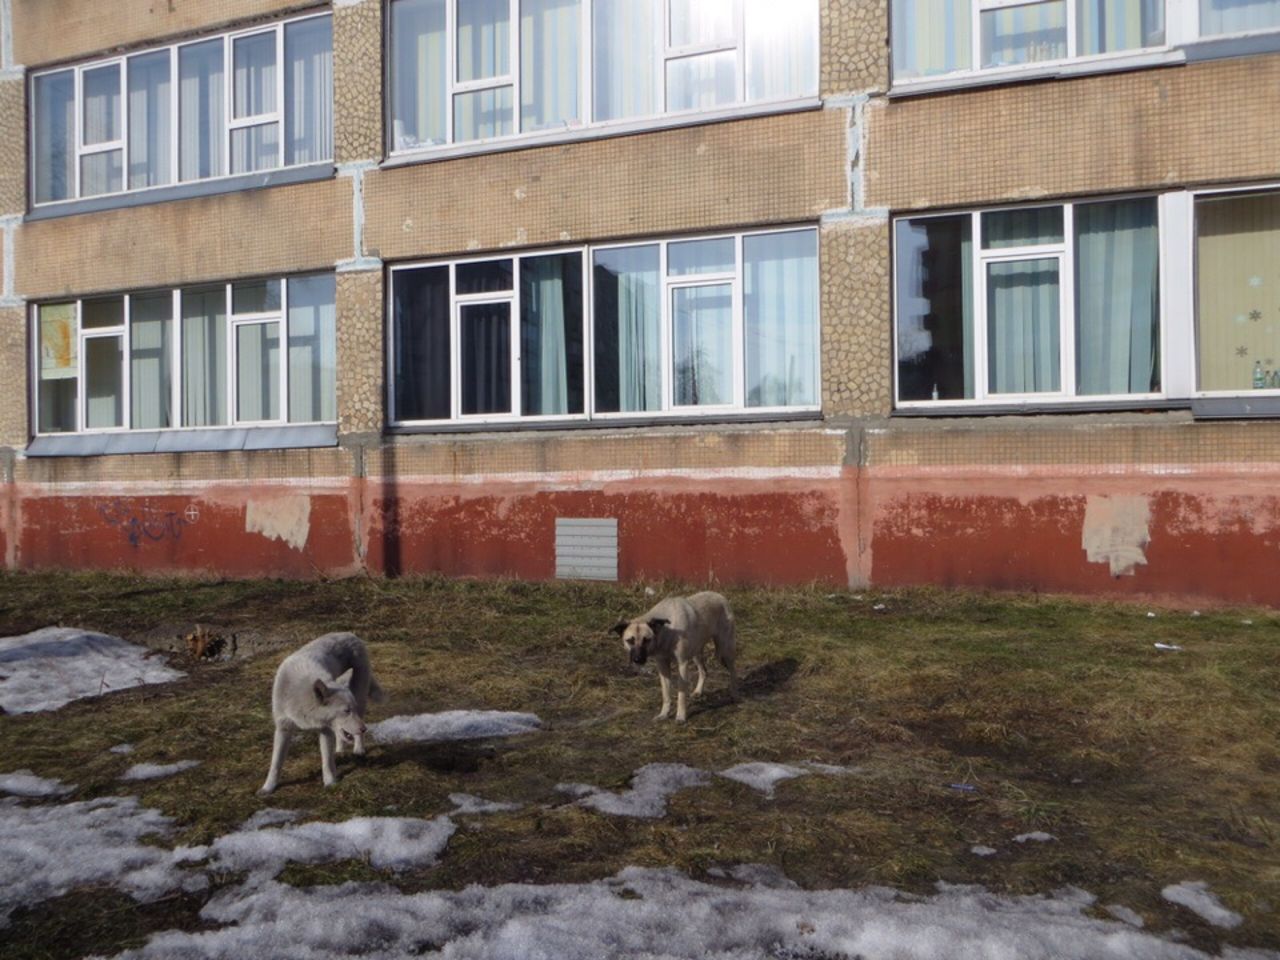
(285, 518)
(1117, 531)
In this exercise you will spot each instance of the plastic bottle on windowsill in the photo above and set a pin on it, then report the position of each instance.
(1259, 378)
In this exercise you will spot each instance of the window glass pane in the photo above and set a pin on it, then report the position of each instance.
(485, 333)
(482, 115)
(702, 328)
(258, 372)
(255, 296)
(200, 111)
(701, 256)
(107, 312)
(308, 91)
(255, 148)
(104, 382)
(484, 39)
(551, 354)
(1238, 16)
(780, 315)
(204, 356)
(702, 82)
(1023, 333)
(421, 343)
(485, 276)
(550, 62)
(782, 49)
(54, 136)
(1103, 26)
(1024, 227)
(59, 362)
(1238, 288)
(934, 325)
(419, 73)
(627, 312)
(1117, 297)
(1030, 33)
(254, 80)
(624, 37)
(150, 360)
(150, 115)
(931, 37)
(101, 173)
(313, 346)
(101, 91)
(703, 21)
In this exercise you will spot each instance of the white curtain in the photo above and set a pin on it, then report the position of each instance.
(101, 172)
(254, 94)
(104, 381)
(308, 91)
(1031, 33)
(486, 357)
(780, 300)
(419, 73)
(150, 360)
(201, 111)
(702, 327)
(1238, 16)
(782, 49)
(204, 357)
(150, 113)
(1023, 328)
(931, 37)
(548, 322)
(313, 348)
(628, 338)
(550, 63)
(1104, 26)
(1117, 297)
(484, 44)
(258, 371)
(624, 35)
(54, 135)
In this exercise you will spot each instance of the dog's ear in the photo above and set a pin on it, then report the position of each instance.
(620, 627)
(656, 625)
(344, 678)
(321, 691)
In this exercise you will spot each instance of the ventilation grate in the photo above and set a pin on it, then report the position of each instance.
(586, 548)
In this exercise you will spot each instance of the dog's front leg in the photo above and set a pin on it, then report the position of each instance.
(682, 690)
(664, 677)
(702, 675)
(278, 750)
(327, 764)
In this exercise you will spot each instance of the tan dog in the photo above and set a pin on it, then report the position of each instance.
(674, 633)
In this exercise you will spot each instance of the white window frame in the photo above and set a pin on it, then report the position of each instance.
(667, 285)
(125, 331)
(229, 123)
(586, 122)
(1175, 359)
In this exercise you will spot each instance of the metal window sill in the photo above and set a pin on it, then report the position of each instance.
(211, 440)
(944, 409)
(1059, 71)
(1236, 408)
(607, 424)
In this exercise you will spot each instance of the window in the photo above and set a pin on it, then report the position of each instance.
(681, 327)
(236, 104)
(1038, 303)
(254, 352)
(471, 71)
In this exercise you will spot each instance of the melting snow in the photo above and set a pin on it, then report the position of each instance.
(763, 776)
(651, 785)
(1195, 896)
(466, 803)
(1036, 836)
(269, 818)
(664, 916)
(154, 771)
(24, 783)
(51, 667)
(122, 748)
(978, 850)
(454, 725)
(1125, 915)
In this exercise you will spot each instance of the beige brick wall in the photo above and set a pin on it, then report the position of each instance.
(13, 376)
(1210, 122)
(249, 233)
(758, 171)
(13, 145)
(360, 307)
(856, 351)
(357, 81)
(248, 466)
(45, 31)
(855, 46)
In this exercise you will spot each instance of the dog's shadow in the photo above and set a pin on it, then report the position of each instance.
(450, 756)
(766, 679)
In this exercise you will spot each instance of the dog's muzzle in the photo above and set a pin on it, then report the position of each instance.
(638, 657)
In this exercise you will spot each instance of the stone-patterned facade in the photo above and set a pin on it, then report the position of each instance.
(13, 146)
(357, 84)
(857, 358)
(855, 47)
(361, 364)
(13, 376)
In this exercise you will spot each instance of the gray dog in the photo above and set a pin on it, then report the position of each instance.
(307, 696)
(675, 632)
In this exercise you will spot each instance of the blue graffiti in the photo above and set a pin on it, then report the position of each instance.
(142, 524)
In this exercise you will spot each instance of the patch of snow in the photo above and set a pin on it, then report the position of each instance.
(978, 850)
(122, 748)
(454, 725)
(49, 668)
(269, 817)
(1125, 915)
(830, 769)
(1167, 646)
(466, 803)
(1195, 896)
(763, 776)
(154, 771)
(664, 916)
(388, 843)
(762, 875)
(1036, 836)
(651, 785)
(24, 783)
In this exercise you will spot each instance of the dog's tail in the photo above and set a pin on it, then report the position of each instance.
(376, 694)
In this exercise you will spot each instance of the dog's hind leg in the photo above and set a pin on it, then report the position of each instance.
(327, 765)
(726, 650)
(701, 664)
(278, 750)
(682, 691)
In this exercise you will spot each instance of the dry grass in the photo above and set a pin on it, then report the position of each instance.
(1150, 768)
